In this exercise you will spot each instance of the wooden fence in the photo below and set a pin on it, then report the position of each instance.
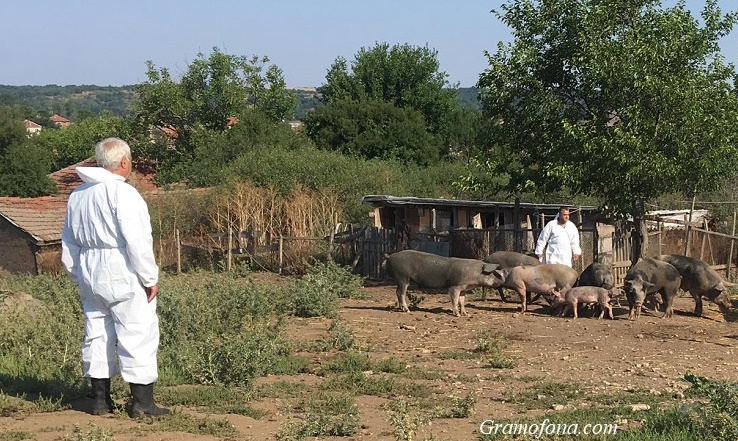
(363, 248)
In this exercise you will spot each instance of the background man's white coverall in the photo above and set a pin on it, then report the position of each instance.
(562, 242)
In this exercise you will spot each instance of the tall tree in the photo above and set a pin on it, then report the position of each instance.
(623, 100)
(213, 89)
(404, 75)
(24, 167)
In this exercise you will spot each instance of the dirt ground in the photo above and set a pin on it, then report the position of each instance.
(600, 356)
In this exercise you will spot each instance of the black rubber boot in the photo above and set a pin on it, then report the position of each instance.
(143, 401)
(102, 403)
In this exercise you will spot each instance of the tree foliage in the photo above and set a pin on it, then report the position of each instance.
(23, 166)
(77, 142)
(213, 89)
(373, 129)
(623, 100)
(404, 75)
(379, 78)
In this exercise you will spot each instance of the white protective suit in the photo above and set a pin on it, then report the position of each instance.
(562, 242)
(107, 250)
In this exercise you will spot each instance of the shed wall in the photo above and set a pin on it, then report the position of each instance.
(16, 252)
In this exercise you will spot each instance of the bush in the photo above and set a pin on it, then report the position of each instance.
(316, 294)
(220, 331)
(718, 418)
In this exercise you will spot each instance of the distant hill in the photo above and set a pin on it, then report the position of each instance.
(76, 102)
(73, 102)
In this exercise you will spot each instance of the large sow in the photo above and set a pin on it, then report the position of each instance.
(699, 279)
(649, 276)
(432, 271)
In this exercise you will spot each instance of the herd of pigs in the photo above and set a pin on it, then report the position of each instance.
(563, 288)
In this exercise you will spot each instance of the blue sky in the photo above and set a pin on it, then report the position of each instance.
(107, 43)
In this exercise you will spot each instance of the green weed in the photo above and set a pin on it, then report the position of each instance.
(91, 433)
(405, 418)
(493, 347)
(324, 414)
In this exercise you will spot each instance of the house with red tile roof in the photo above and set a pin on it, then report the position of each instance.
(60, 121)
(30, 228)
(31, 127)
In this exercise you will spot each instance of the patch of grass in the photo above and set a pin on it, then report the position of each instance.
(279, 389)
(544, 395)
(417, 373)
(458, 355)
(358, 383)
(348, 362)
(213, 399)
(91, 433)
(324, 414)
(389, 365)
(659, 425)
(625, 398)
(493, 346)
(13, 406)
(459, 407)
(405, 418)
(180, 422)
(15, 436)
(340, 338)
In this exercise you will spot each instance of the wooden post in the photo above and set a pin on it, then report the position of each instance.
(517, 246)
(688, 229)
(281, 248)
(704, 236)
(230, 248)
(580, 221)
(732, 241)
(179, 252)
(330, 245)
(661, 237)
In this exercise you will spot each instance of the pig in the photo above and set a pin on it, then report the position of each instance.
(649, 276)
(545, 278)
(699, 279)
(585, 295)
(596, 274)
(506, 260)
(433, 271)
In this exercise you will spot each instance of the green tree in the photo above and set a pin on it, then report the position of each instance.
(77, 142)
(213, 89)
(621, 100)
(404, 75)
(373, 129)
(24, 167)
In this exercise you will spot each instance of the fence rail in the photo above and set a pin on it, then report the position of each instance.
(364, 248)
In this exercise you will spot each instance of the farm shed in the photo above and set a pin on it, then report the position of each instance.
(30, 234)
(474, 229)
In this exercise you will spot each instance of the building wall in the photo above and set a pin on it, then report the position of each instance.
(16, 253)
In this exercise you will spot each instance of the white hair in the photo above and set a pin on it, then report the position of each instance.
(110, 152)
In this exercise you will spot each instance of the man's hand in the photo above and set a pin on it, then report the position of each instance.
(151, 292)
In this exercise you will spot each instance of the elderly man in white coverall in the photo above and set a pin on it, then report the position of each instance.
(107, 249)
(562, 239)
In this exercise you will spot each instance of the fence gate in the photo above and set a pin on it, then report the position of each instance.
(375, 243)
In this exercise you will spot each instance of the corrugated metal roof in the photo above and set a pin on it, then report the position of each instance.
(383, 200)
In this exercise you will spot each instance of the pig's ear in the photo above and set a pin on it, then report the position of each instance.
(647, 286)
(499, 274)
(488, 268)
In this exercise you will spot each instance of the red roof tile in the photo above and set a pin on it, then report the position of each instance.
(58, 119)
(28, 124)
(41, 218)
